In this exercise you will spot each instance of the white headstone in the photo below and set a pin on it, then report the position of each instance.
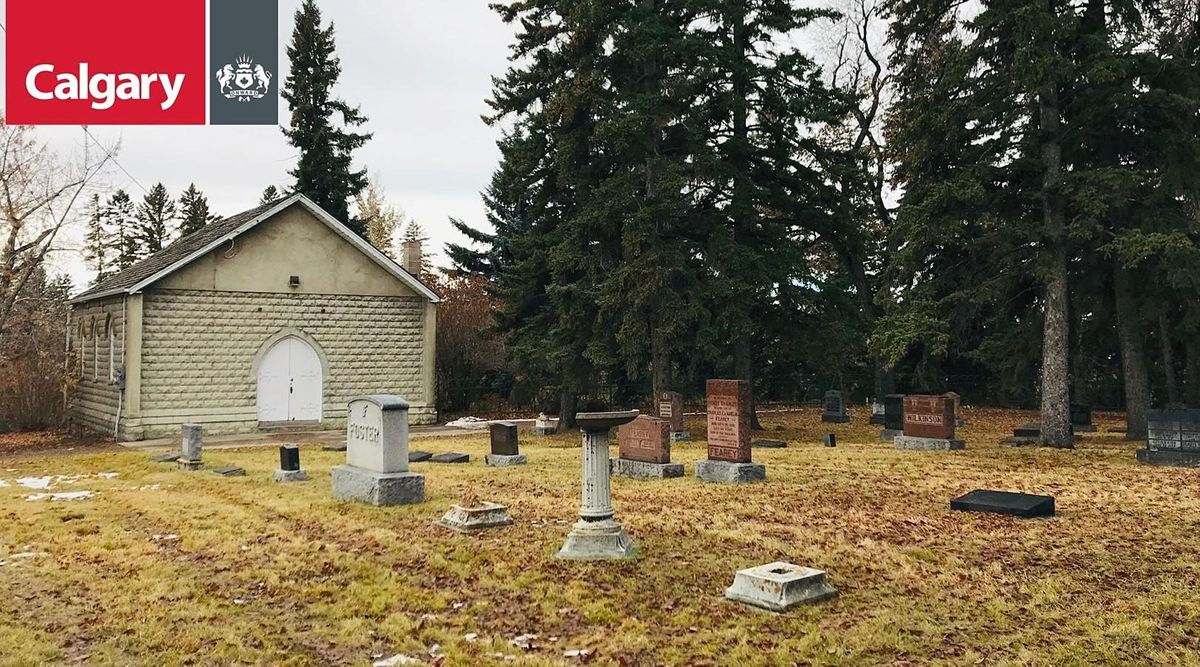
(377, 433)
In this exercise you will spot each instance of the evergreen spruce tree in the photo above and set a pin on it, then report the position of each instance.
(269, 194)
(325, 170)
(381, 220)
(121, 220)
(154, 218)
(193, 211)
(96, 242)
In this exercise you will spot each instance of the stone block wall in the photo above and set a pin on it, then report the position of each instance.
(98, 353)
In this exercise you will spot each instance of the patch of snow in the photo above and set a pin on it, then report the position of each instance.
(524, 641)
(29, 554)
(470, 423)
(169, 537)
(471, 636)
(3, 483)
(398, 659)
(35, 482)
(581, 653)
(66, 495)
(108, 475)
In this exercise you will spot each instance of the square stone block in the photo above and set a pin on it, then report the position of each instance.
(1004, 502)
(377, 488)
(913, 443)
(597, 540)
(779, 586)
(291, 475)
(644, 470)
(504, 460)
(471, 519)
(725, 472)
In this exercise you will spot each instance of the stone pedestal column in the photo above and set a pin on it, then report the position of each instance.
(597, 536)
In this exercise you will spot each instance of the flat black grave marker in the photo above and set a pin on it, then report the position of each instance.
(165, 458)
(831, 440)
(451, 457)
(230, 471)
(769, 444)
(419, 456)
(1004, 502)
(337, 447)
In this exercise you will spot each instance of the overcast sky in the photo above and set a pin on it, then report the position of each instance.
(420, 69)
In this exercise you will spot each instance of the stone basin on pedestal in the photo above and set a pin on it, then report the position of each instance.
(597, 536)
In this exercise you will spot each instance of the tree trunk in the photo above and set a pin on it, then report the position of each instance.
(1056, 400)
(1133, 359)
(566, 411)
(660, 368)
(1168, 358)
(1192, 371)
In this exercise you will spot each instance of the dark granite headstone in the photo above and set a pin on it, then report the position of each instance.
(289, 457)
(831, 440)
(504, 439)
(1081, 418)
(231, 471)
(451, 457)
(835, 408)
(419, 456)
(729, 421)
(1173, 439)
(893, 412)
(646, 439)
(929, 417)
(1004, 502)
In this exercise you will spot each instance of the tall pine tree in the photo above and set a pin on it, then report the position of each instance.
(155, 216)
(193, 211)
(95, 248)
(121, 219)
(325, 170)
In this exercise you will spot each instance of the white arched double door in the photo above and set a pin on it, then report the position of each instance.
(289, 382)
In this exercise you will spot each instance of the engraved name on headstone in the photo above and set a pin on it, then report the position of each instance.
(645, 439)
(928, 417)
(729, 421)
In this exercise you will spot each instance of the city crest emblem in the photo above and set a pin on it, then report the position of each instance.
(243, 80)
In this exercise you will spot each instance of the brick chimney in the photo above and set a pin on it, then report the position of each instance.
(410, 257)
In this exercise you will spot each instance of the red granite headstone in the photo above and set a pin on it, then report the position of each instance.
(929, 417)
(670, 409)
(645, 439)
(729, 421)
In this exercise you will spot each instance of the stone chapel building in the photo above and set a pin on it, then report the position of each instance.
(272, 318)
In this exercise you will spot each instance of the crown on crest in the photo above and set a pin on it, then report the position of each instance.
(244, 61)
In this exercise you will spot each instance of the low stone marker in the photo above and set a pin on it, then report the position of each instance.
(335, 447)
(543, 425)
(505, 450)
(376, 470)
(768, 444)
(1004, 502)
(893, 417)
(476, 517)
(956, 404)
(230, 471)
(779, 586)
(597, 536)
(645, 450)
(831, 440)
(1173, 439)
(670, 410)
(1081, 419)
(928, 425)
(835, 408)
(729, 458)
(450, 457)
(877, 414)
(193, 447)
(170, 457)
(289, 465)
(1026, 434)
(419, 456)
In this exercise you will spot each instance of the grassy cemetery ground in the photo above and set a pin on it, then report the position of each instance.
(160, 566)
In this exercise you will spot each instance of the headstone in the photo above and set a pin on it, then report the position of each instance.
(1173, 439)
(835, 408)
(505, 450)
(893, 417)
(928, 424)
(956, 407)
(670, 410)
(230, 471)
(729, 435)
(645, 450)
(769, 444)
(376, 469)
(877, 414)
(779, 586)
(165, 458)
(450, 457)
(543, 425)
(1004, 502)
(597, 536)
(831, 440)
(1081, 418)
(1026, 434)
(419, 456)
(193, 447)
(289, 465)
(471, 519)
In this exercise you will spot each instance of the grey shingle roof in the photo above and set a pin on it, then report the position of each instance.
(148, 266)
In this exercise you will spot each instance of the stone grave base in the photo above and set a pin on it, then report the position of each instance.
(1020, 441)
(450, 457)
(185, 464)
(724, 472)
(165, 458)
(913, 443)
(877, 420)
(505, 460)
(1163, 457)
(470, 519)
(644, 470)
(829, 418)
(597, 540)
(291, 475)
(680, 436)
(769, 444)
(779, 586)
(889, 434)
(1083, 428)
(1024, 505)
(377, 488)
(544, 430)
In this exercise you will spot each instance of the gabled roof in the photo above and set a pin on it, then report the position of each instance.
(151, 269)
